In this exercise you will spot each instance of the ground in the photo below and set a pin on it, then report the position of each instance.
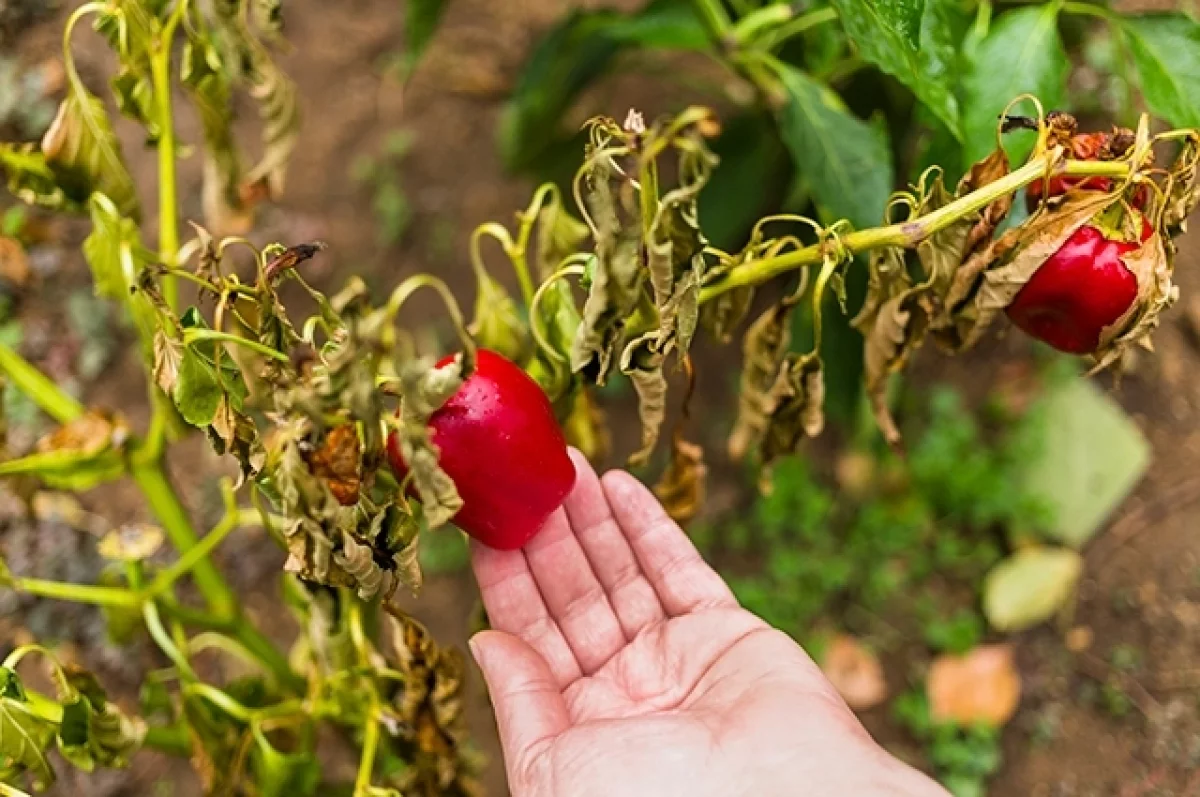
(1141, 588)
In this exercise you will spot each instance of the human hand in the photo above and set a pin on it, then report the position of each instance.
(621, 664)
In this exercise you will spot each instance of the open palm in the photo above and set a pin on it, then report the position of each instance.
(621, 664)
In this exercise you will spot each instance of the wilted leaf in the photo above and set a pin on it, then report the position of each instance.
(129, 28)
(210, 89)
(32, 179)
(338, 461)
(24, 736)
(81, 148)
(681, 488)
(359, 561)
(1152, 267)
(643, 364)
(1184, 194)
(1030, 586)
(233, 432)
(168, 356)
(763, 350)
(133, 542)
(498, 324)
(206, 376)
(78, 455)
(423, 390)
(94, 731)
(797, 401)
(559, 234)
(616, 286)
(114, 249)
(557, 320)
(981, 686)
(855, 672)
(1091, 458)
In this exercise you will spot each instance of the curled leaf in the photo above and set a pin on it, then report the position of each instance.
(1151, 265)
(559, 234)
(358, 561)
(423, 390)
(681, 488)
(1183, 193)
(557, 321)
(94, 731)
(168, 356)
(24, 734)
(763, 348)
(796, 402)
(643, 364)
(498, 324)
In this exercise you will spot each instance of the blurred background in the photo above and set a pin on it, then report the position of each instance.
(895, 573)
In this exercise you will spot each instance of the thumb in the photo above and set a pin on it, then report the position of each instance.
(529, 705)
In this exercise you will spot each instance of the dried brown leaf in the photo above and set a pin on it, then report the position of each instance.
(763, 348)
(797, 402)
(90, 433)
(681, 488)
(643, 364)
(168, 355)
(722, 316)
(338, 461)
(14, 264)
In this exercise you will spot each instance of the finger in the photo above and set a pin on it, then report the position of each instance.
(514, 605)
(633, 599)
(574, 597)
(681, 578)
(530, 709)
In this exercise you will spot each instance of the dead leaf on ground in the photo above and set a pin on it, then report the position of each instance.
(855, 672)
(980, 686)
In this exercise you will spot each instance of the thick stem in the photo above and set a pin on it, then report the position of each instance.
(172, 740)
(715, 17)
(908, 234)
(169, 510)
(168, 206)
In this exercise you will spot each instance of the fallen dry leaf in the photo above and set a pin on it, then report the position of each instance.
(14, 264)
(980, 686)
(855, 672)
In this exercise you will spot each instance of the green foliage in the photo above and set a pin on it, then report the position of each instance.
(421, 20)
(1166, 50)
(963, 757)
(935, 514)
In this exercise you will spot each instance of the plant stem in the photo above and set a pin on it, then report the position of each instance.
(53, 400)
(761, 19)
(78, 593)
(194, 555)
(910, 233)
(152, 480)
(773, 38)
(366, 763)
(172, 740)
(190, 336)
(715, 17)
(168, 206)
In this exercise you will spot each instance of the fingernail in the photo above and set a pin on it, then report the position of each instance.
(476, 650)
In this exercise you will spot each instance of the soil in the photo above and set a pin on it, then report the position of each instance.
(1142, 583)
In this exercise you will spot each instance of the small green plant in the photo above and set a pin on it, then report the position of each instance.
(964, 757)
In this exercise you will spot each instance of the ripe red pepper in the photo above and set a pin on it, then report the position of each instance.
(501, 445)
(1079, 291)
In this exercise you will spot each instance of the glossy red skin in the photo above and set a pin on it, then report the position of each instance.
(1083, 288)
(502, 446)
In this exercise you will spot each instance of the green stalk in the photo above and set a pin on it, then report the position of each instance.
(78, 593)
(908, 234)
(52, 399)
(172, 740)
(191, 336)
(715, 17)
(167, 508)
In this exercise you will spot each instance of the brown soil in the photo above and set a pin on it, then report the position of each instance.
(1142, 585)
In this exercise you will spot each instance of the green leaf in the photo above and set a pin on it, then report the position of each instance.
(846, 162)
(81, 148)
(1166, 51)
(1091, 458)
(35, 181)
(910, 40)
(421, 19)
(130, 29)
(210, 89)
(283, 774)
(1022, 53)
(24, 736)
(113, 250)
(1030, 586)
(572, 55)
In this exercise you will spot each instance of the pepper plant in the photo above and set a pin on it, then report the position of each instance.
(312, 401)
